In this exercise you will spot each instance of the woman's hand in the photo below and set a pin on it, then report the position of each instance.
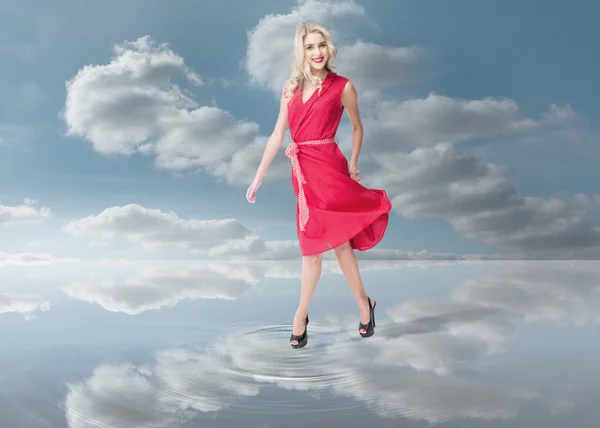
(353, 170)
(251, 193)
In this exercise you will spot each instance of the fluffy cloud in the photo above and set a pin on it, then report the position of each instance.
(440, 119)
(27, 305)
(424, 183)
(26, 213)
(410, 123)
(154, 229)
(269, 68)
(132, 105)
(480, 203)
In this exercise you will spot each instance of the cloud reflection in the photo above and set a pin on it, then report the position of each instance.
(423, 365)
(163, 286)
(27, 305)
(135, 287)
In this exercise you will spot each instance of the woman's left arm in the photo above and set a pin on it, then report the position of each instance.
(350, 103)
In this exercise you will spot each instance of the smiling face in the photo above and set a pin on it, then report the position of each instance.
(316, 53)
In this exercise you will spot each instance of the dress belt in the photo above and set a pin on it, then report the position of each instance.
(292, 152)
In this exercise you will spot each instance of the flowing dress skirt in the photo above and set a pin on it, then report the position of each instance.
(340, 209)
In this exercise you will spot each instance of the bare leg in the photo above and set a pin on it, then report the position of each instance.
(349, 265)
(311, 273)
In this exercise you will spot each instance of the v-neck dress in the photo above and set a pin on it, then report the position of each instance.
(332, 207)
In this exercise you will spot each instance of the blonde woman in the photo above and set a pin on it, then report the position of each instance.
(334, 211)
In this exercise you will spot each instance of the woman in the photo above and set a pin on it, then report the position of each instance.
(334, 211)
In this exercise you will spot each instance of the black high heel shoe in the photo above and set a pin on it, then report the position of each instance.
(302, 339)
(370, 327)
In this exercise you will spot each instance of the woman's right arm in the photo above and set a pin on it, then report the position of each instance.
(275, 140)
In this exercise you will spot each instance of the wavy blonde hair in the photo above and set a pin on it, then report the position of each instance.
(300, 68)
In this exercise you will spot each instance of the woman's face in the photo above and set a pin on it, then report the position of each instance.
(315, 50)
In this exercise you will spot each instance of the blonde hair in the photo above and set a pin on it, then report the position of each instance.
(300, 68)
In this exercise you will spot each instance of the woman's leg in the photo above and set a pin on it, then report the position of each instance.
(311, 273)
(349, 265)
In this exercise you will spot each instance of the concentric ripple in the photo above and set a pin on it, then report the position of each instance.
(263, 356)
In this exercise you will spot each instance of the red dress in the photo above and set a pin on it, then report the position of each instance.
(332, 208)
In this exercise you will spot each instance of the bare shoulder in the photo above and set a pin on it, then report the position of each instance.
(349, 86)
(349, 94)
(282, 117)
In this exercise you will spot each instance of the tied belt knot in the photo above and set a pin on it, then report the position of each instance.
(291, 152)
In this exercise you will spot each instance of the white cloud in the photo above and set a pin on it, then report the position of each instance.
(27, 305)
(270, 68)
(25, 213)
(132, 105)
(371, 67)
(154, 229)
(427, 182)
(480, 203)
(420, 122)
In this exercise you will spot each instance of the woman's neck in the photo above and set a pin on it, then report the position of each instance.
(322, 74)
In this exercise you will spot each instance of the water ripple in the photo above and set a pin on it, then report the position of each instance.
(263, 356)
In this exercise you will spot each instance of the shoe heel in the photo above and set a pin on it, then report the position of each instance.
(302, 339)
(370, 327)
(373, 313)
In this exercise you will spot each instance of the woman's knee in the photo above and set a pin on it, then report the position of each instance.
(342, 248)
(314, 259)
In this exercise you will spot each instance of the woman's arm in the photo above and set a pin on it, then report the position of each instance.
(275, 140)
(350, 103)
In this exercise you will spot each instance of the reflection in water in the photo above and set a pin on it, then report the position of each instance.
(26, 305)
(462, 352)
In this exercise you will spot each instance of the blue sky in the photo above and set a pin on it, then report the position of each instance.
(526, 56)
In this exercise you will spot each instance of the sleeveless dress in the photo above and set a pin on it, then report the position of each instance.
(332, 207)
